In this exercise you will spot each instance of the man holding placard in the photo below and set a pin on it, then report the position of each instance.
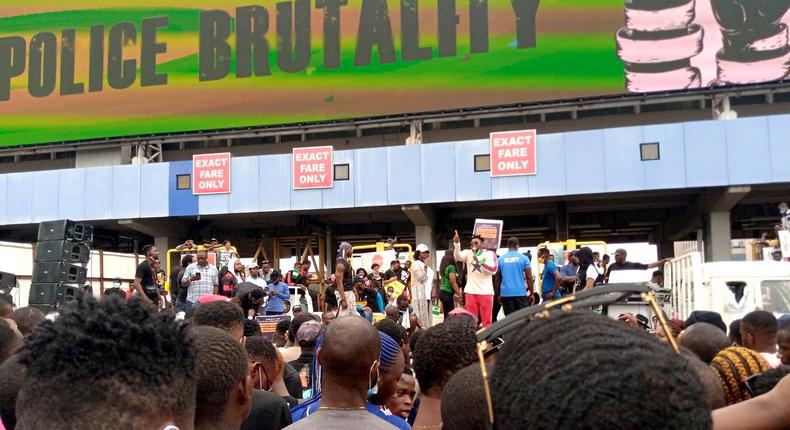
(481, 266)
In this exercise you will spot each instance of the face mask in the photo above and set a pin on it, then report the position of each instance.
(374, 389)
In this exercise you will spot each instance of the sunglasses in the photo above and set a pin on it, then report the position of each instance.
(489, 340)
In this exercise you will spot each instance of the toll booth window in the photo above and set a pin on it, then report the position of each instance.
(776, 296)
(183, 182)
(482, 163)
(342, 172)
(737, 288)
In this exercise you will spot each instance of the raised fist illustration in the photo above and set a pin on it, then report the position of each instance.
(755, 41)
(657, 44)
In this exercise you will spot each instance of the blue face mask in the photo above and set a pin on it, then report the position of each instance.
(373, 390)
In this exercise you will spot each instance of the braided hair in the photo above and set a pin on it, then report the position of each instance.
(734, 366)
(581, 370)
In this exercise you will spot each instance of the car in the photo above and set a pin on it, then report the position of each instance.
(299, 297)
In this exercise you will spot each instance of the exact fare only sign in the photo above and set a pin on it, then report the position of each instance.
(513, 153)
(312, 168)
(211, 173)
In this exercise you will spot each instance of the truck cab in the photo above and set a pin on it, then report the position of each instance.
(732, 288)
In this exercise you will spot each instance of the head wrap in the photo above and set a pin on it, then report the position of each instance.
(389, 350)
(341, 251)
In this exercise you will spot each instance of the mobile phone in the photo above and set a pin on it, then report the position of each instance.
(198, 275)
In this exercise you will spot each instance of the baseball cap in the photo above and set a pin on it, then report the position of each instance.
(359, 279)
(253, 266)
(712, 318)
(423, 248)
(308, 332)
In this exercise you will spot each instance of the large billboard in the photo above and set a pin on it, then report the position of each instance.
(92, 69)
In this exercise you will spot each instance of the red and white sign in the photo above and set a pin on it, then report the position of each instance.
(513, 153)
(211, 173)
(313, 168)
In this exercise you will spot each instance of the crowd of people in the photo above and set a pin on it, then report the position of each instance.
(475, 278)
(197, 279)
(115, 363)
(123, 362)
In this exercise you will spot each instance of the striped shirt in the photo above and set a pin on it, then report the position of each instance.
(209, 278)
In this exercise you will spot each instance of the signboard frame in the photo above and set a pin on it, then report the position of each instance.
(331, 172)
(270, 321)
(499, 225)
(195, 179)
(533, 150)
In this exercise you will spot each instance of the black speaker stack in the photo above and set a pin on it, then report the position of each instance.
(59, 271)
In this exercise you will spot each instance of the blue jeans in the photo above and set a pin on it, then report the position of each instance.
(182, 305)
(190, 305)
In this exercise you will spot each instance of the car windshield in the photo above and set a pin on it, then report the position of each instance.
(776, 295)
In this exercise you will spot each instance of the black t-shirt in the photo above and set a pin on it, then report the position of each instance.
(292, 402)
(370, 296)
(389, 274)
(182, 291)
(243, 291)
(269, 411)
(175, 281)
(292, 381)
(348, 274)
(628, 265)
(146, 273)
(304, 360)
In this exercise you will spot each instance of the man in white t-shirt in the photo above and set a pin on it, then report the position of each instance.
(588, 273)
(481, 266)
(255, 276)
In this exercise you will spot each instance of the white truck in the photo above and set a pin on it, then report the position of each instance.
(731, 288)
